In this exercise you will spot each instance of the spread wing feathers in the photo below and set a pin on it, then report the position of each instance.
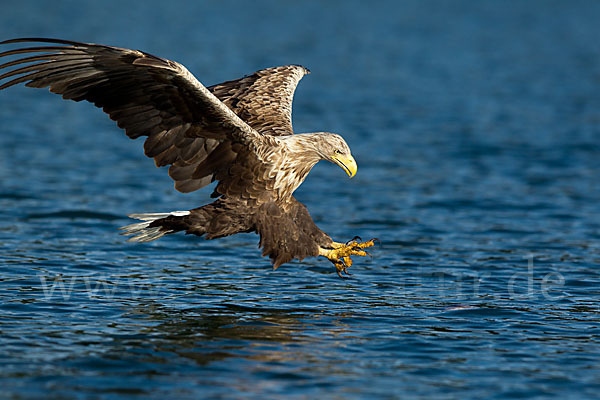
(264, 98)
(147, 96)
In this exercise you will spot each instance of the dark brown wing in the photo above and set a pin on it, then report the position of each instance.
(264, 98)
(185, 124)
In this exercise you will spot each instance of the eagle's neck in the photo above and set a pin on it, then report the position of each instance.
(304, 147)
(300, 155)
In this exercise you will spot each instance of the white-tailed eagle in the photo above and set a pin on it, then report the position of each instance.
(238, 133)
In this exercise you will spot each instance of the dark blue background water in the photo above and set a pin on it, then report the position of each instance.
(476, 128)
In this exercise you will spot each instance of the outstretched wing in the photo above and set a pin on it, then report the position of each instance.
(186, 126)
(263, 99)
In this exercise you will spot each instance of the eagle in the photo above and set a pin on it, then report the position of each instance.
(238, 133)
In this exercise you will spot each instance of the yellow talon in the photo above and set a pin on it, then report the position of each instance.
(339, 254)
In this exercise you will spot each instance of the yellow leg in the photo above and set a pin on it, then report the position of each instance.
(340, 254)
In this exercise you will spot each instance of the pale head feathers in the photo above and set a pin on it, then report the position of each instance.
(317, 146)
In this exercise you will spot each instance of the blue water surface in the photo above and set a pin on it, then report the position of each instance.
(476, 128)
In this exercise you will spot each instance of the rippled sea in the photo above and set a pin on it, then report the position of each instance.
(476, 128)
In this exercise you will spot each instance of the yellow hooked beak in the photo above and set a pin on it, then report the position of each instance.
(347, 163)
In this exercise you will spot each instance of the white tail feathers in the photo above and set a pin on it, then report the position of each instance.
(142, 232)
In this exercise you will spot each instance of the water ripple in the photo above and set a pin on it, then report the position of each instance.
(477, 145)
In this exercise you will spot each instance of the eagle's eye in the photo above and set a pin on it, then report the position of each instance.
(338, 152)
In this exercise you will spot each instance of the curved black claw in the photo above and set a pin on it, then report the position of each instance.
(348, 274)
(342, 268)
(353, 240)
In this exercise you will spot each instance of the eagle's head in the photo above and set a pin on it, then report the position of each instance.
(332, 147)
(310, 148)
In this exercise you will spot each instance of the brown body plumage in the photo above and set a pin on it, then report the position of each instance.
(238, 133)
